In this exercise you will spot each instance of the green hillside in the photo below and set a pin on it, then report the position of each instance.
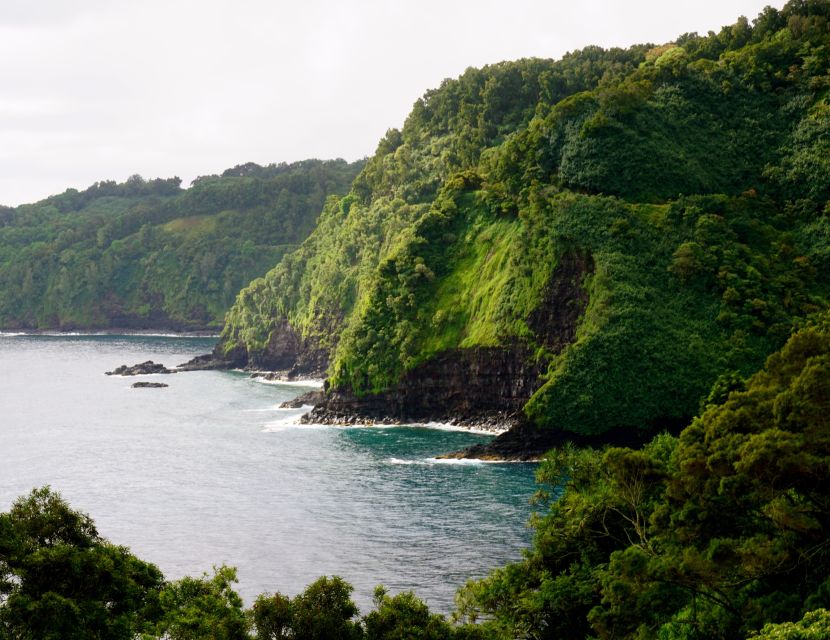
(713, 534)
(148, 254)
(633, 223)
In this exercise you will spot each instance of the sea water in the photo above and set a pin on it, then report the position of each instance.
(210, 470)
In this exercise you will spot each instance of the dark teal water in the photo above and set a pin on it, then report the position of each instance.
(210, 471)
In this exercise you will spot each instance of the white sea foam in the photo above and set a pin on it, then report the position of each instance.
(291, 424)
(459, 462)
(462, 462)
(72, 334)
(277, 409)
(442, 426)
(447, 426)
(11, 334)
(313, 383)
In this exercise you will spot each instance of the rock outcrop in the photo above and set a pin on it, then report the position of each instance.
(206, 362)
(309, 398)
(290, 355)
(143, 368)
(462, 386)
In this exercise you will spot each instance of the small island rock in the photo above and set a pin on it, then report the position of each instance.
(140, 369)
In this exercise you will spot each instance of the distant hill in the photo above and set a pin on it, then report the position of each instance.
(147, 254)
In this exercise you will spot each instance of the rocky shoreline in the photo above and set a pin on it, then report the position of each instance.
(309, 398)
(495, 423)
(480, 390)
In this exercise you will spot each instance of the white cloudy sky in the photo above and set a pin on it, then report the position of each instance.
(102, 89)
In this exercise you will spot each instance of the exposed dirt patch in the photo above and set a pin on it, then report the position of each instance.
(555, 320)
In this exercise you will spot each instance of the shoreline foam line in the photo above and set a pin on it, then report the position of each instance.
(278, 409)
(438, 426)
(314, 383)
(458, 462)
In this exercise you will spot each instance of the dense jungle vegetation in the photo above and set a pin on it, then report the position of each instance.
(720, 533)
(148, 254)
(693, 177)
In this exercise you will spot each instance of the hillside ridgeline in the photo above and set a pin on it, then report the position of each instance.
(151, 255)
(606, 235)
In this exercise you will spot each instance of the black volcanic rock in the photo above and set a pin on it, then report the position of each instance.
(313, 398)
(469, 387)
(206, 362)
(287, 354)
(140, 369)
(149, 385)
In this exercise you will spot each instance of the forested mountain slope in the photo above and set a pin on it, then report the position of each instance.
(713, 534)
(593, 241)
(148, 254)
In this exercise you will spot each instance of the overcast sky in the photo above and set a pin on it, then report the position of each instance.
(96, 89)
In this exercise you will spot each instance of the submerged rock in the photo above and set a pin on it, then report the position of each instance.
(149, 385)
(140, 369)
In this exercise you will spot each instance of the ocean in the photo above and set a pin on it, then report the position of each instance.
(210, 470)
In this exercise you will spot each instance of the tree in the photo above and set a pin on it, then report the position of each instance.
(404, 617)
(272, 617)
(60, 580)
(205, 608)
(815, 625)
(325, 610)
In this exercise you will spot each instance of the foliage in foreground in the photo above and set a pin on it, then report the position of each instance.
(713, 534)
(815, 625)
(721, 533)
(59, 580)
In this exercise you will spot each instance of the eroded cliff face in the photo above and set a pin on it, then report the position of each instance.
(286, 353)
(481, 385)
(565, 298)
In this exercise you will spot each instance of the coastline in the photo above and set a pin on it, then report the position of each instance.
(513, 439)
(271, 377)
(489, 422)
(149, 333)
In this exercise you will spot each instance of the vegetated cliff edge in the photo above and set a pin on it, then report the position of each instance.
(582, 246)
(150, 255)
